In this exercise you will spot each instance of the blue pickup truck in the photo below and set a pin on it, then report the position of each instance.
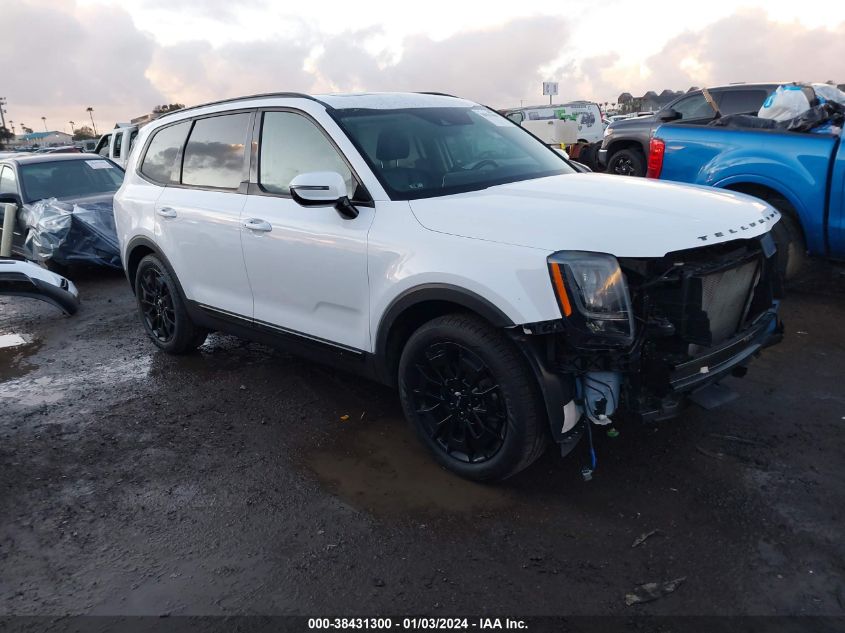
(800, 174)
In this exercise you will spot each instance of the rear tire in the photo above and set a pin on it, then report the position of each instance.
(472, 398)
(162, 310)
(627, 162)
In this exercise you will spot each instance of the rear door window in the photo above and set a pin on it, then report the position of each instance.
(161, 160)
(214, 155)
(741, 101)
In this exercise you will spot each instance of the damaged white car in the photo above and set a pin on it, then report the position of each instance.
(432, 244)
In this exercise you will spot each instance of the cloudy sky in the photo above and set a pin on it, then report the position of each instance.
(124, 56)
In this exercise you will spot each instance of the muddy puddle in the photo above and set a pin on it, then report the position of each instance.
(52, 388)
(378, 465)
(16, 351)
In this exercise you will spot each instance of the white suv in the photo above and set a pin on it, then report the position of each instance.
(434, 245)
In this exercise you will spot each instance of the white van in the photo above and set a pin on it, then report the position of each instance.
(117, 144)
(585, 113)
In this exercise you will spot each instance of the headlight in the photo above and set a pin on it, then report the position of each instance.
(591, 290)
(607, 131)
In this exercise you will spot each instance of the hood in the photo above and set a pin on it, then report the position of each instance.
(643, 121)
(626, 217)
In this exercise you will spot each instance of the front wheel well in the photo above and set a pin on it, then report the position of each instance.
(620, 145)
(405, 324)
(772, 196)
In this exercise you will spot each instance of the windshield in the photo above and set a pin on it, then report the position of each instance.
(69, 179)
(425, 152)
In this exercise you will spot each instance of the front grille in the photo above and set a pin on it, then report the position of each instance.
(725, 298)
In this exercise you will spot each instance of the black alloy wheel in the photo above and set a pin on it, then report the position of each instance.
(626, 162)
(162, 308)
(461, 404)
(472, 397)
(156, 302)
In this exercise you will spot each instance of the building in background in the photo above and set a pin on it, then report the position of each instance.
(42, 139)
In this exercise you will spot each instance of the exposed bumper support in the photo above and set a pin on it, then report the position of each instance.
(737, 352)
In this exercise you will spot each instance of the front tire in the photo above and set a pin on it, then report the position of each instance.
(162, 310)
(792, 251)
(472, 398)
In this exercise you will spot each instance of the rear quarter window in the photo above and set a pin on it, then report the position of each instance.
(161, 159)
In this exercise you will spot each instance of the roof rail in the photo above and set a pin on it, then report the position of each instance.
(437, 94)
(263, 95)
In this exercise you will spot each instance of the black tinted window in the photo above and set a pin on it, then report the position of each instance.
(214, 155)
(163, 151)
(741, 101)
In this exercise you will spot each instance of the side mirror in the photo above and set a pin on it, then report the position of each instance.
(669, 115)
(10, 198)
(323, 189)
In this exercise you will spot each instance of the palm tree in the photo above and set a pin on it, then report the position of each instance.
(90, 112)
(44, 120)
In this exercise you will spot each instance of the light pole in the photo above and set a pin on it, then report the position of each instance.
(44, 120)
(71, 129)
(90, 112)
(2, 111)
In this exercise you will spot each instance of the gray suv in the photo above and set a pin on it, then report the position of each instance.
(625, 145)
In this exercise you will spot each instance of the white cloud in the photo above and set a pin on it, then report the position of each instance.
(59, 58)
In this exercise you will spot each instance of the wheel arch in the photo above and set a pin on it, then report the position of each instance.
(625, 143)
(137, 249)
(768, 193)
(418, 305)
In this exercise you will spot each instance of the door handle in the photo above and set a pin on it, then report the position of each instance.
(256, 224)
(166, 212)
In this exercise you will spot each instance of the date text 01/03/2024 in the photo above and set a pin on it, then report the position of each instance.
(424, 623)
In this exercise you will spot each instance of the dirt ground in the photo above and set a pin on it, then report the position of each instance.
(227, 482)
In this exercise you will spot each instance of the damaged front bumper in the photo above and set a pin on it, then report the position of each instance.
(25, 279)
(701, 316)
